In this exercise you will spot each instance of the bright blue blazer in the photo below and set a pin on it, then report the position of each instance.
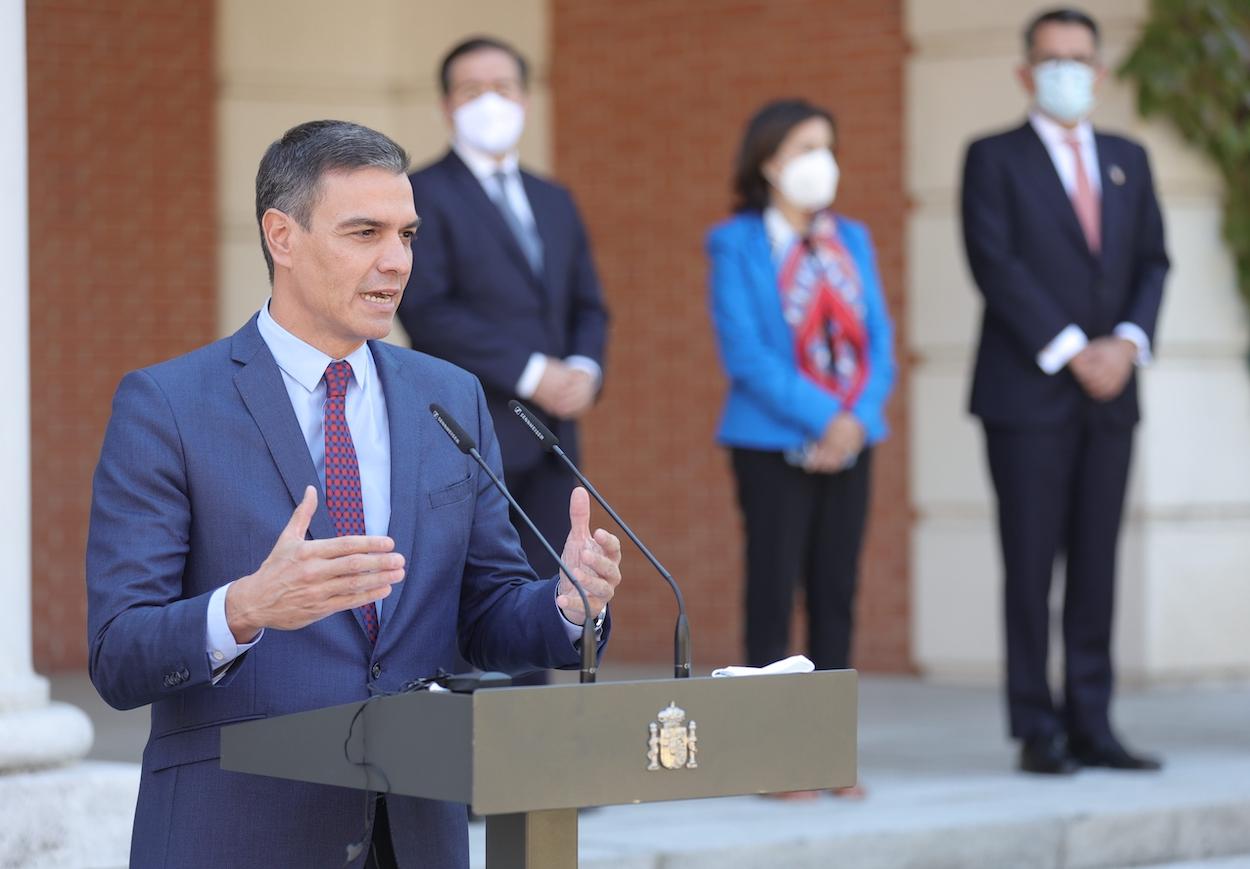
(771, 404)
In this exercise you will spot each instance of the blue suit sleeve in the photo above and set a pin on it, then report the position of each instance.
(755, 366)
(146, 641)
(1152, 258)
(870, 406)
(590, 314)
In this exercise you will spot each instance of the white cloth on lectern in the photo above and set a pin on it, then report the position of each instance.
(793, 664)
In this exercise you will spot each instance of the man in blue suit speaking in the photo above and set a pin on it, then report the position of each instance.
(277, 524)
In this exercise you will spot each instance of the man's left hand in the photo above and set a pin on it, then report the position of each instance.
(594, 559)
(1111, 365)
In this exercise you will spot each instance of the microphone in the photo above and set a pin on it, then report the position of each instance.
(681, 633)
(465, 444)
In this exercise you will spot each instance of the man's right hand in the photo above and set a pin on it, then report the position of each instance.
(305, 580)
(1103, 368)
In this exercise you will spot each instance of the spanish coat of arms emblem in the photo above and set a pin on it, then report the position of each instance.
(674, 744)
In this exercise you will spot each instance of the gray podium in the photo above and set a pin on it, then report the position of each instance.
(512, 753)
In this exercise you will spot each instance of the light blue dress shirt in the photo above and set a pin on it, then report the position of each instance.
(303, 370)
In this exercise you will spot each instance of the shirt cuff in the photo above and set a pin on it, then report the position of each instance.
(531, 376)
(585, 363)
(218, 639)
(1060, 351)
(574, 631)
(1136, 334)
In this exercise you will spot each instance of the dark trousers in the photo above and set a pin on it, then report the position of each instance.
(800, 526)
(1059, 491)
(543, 492)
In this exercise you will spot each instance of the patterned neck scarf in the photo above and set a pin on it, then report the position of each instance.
(823, 303)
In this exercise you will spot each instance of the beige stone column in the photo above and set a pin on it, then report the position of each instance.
(56, 810)
(33, 732)
(1182, 606)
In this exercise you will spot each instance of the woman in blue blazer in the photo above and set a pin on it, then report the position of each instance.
(806, 341)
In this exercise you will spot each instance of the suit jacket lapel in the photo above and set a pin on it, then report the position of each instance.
(544, 220)
(767, 278)
(1039, 167)
(259, 382)
(1112, 200)
(472, 192)
(409, 424)
(552, 239)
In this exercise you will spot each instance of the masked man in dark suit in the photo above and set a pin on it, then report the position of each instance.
(278, 524)
(1065, 241)
(502, 282)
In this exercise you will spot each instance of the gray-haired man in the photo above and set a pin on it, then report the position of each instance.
(303, 429)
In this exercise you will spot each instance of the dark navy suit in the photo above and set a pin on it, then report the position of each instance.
(1059, 460)
(202, 464)
(473, 299)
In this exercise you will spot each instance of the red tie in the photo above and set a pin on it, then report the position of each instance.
(343, 472)
(1085, 200)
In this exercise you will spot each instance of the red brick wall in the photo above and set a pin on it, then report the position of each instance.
(122, 250)
(651, 97)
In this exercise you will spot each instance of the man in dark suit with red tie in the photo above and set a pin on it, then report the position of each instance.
(1065, 242)
(502, 281)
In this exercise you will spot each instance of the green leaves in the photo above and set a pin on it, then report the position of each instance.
(1192, 66)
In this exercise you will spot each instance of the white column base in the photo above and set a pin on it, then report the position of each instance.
(76, 816)
(50, 735)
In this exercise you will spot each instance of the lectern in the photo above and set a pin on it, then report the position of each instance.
(527, 758)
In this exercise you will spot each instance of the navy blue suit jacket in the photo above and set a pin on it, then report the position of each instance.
(473, 300)
(1030, 261)
(202, 464)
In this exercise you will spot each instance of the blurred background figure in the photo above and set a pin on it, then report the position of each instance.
(1065, 241)
(502, 280)
(806, 342)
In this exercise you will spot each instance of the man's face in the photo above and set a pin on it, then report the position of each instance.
(339, 282)
(475, 73)
(1057, 40)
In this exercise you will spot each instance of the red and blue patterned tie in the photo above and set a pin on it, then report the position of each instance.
(343, 472)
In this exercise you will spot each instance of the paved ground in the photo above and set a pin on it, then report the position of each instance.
(942, 793)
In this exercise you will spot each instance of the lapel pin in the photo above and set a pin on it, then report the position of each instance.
(1117, 175)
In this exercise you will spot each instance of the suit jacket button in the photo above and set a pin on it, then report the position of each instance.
(376, 671)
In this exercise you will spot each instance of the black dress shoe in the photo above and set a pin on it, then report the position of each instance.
(1113, 755)
(1047, 755)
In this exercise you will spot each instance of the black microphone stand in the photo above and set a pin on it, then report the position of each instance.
(467, 446)
(681, 632)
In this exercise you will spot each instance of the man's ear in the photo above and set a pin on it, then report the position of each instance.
(1024, 74)
(1100, 74)
(278, 228)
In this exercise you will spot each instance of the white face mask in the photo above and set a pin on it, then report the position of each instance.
(490, 123)
(1065, 89)
(810, 180)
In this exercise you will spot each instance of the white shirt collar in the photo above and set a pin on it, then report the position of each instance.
(303, 362)
(1054, 135)
(780, 233)
(483, 165)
